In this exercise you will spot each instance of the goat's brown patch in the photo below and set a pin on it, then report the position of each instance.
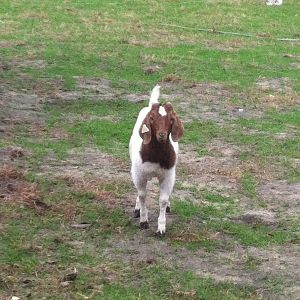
(162, 153)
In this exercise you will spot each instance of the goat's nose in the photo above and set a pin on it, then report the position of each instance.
(162, 134)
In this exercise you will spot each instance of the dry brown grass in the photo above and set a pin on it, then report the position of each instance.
(16, 191)
(68, 211)
(9, 172)
(94, 186)
(41, 15)
(193, 235)
(171, 78)
(271, 99)
(229, 45)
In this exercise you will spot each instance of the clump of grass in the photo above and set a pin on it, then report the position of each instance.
(248, 185)
(251, 262)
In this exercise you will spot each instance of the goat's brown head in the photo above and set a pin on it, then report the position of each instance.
(159, 123)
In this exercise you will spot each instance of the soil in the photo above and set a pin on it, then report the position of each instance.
(220, 171)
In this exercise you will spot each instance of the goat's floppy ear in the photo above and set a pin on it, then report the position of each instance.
(145, 130)
(177, 129)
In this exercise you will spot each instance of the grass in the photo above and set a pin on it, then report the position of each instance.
(110, 135)
(46, 47)
(248, 185)
(115, 51)
(206, 222)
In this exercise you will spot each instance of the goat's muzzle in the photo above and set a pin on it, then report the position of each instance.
(162, 137)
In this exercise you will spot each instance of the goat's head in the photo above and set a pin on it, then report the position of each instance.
(159, 123)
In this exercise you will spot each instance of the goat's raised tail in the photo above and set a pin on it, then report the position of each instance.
(154, 95)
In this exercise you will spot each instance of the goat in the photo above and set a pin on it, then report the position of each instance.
(274, 2)
(153, 150)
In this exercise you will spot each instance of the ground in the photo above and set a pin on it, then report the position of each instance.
(66, 221)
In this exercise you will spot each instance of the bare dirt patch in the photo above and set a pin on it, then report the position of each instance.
(15, 65)
(11, 153)
(19, 109)
(274, 84)
(251, 266)
(85, 162)
(241, 265)
(95, 89)
(263, 217)
(207, 101)
(34, 64)
(220, 148)
(220, 171)
(6, 44)
(282, 196)
(221, 174)
(295, 65)
(274, 99)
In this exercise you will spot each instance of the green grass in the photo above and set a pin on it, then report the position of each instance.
(110, 135)
(261, 136)
(263, 139)
(47, 246)
(200, 133)
(113, 40)
(248, 185)
(207, 221)
(116, 41)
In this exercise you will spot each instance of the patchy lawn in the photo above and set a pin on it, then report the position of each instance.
(74, 76)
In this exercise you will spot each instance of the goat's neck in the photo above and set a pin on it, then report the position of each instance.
(162, 153)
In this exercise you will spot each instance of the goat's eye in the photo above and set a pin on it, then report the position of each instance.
(151, 119)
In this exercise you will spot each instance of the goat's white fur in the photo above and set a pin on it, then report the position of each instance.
(274, 2)
(162, 111)
(142, 172)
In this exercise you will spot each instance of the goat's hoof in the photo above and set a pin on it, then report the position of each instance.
(160, 234)
(136, 213)
(168, 209)
(144, 225)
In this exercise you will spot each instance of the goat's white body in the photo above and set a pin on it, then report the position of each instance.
(274, 2)
(142, 172)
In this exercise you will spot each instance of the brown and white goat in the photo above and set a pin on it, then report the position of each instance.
(153, 152)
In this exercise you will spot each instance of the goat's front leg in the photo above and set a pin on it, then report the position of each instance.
(166, 187)
(140, 206)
